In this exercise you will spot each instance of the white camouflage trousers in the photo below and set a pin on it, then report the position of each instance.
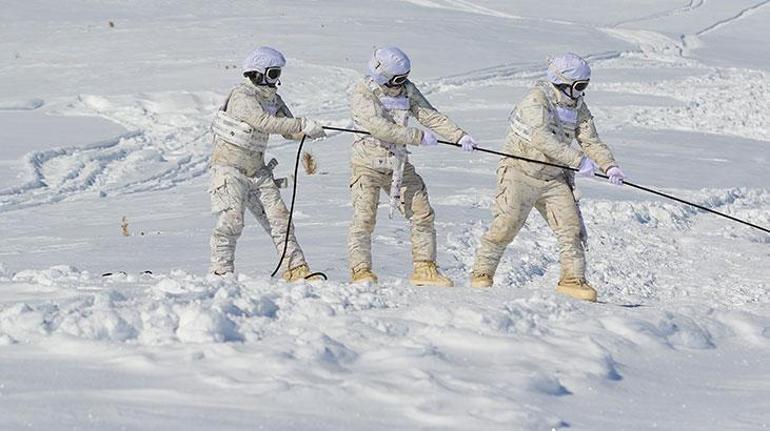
(231, 194)
(517, 194)
(365, 185)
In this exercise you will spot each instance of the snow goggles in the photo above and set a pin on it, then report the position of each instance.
(579, 86)
(398, 80)
(272, 74)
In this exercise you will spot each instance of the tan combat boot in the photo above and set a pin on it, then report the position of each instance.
(299, 273)
(479, 280)
(363, 274)
(576, 288)
(426, 273)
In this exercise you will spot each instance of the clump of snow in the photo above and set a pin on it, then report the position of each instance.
(24, 323)
(97, 103)
(204, 325)
(60, 274)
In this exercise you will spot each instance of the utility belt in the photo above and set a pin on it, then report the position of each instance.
(392, 163)
(387, 161)
(263, 174)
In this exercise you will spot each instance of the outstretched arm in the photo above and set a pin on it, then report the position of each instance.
(247, 109)
(431, 118)
(284, 112)
(589, 140)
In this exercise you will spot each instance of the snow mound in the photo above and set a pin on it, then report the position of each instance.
(429, 355)
(178, 307)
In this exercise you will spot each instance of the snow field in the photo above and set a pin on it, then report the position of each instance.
(441, 358)
(679, 341)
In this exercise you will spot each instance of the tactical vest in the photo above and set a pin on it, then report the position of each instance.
(562, 120)
(397, 109)
(240, 133)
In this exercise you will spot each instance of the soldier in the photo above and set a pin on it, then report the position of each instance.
(543, 126)
(240, 179)
(382, 103)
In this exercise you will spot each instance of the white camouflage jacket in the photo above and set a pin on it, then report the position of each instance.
(384, 112)
(264, 110)
(543, 126)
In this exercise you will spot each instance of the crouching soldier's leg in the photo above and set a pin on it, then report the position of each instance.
(516, 195)
(227, 202)
(559, 208)
(415, 206)
(267, 206)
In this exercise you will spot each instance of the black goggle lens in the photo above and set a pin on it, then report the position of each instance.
(399, 79)
(273, 73)
(580, 85)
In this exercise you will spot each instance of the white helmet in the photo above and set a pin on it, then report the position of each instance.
(389, 66)
(265, 61)
(570, 73)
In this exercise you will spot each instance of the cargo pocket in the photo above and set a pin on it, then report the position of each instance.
(355, 190)
(354, 181)
(501, 200)
(221, 199)
(551, 218)
(501, 171)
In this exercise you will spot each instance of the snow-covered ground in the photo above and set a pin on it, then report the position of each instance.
(99, 122)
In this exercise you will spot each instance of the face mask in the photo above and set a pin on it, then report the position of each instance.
(566, 115)
(395, 103)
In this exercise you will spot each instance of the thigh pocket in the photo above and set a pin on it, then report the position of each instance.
(355, 180)
(501, 173)
(501, 200)
(356, 190)
(364, 194)
(224, 194)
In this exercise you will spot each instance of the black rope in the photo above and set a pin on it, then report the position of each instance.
(627, 183)
(291, 216)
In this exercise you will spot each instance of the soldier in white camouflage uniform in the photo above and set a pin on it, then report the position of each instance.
(543, 127)
(240, 179)
(382, 103)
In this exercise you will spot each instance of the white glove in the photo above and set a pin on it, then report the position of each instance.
(616, 175)
(468, 143)
(587, 167)
(312, 129)
(429, 139)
